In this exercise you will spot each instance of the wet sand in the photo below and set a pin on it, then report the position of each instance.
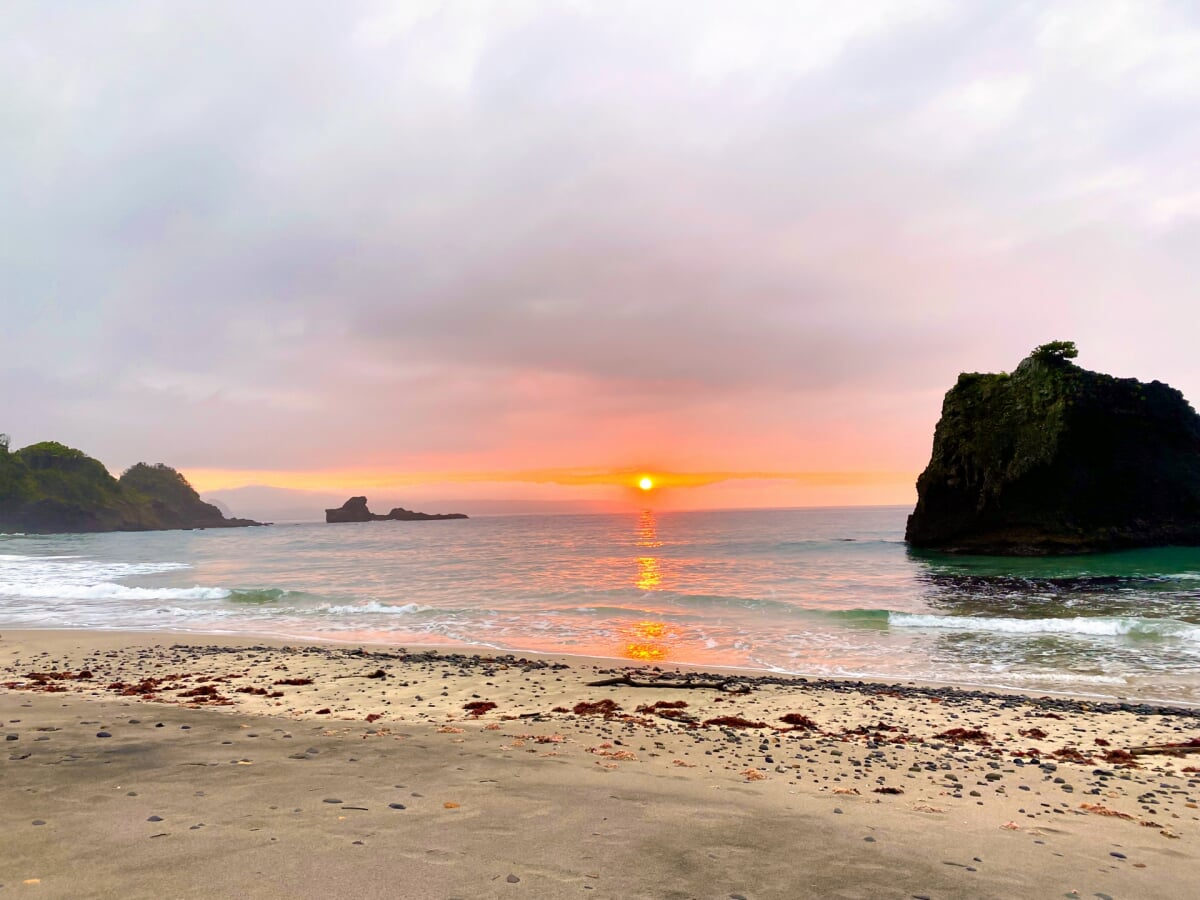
(139, 765)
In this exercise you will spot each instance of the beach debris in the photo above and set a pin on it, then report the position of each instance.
(603, 707)
(609, 751)
(754, 775)
(964, 735)
(1098, 809)
(478, 707)
(450, 804)
(294, 682)
(734, 722)
(888, 790)
(1035, 733)
(1178, 748)
(730, 686)
(667, 709)
(683, 764)
(1072, 754)
(449, 729)
(1011, 826)
(799, 722)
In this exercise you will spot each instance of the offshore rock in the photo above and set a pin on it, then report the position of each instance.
(1056, 459)
(49, 488)
(355, 510)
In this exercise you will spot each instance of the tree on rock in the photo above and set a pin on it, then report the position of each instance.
(1055, 352)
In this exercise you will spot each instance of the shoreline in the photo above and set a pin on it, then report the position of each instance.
(453, 773)
(242, 638)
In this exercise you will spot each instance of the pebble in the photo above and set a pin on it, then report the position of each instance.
(332, 800)
(39, 821)
(154, 819)
(103, 734)
(512, 879)
(397, 806)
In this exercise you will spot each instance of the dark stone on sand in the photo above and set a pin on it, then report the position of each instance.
(512, 879)
(154, 819)
(397, 806)
(333, 800)
(12, 737)
(39, 822)
(1117, 855)
(1056, 459)
(103, 734)
(355, 510)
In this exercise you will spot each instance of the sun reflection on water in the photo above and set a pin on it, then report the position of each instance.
(648, 641)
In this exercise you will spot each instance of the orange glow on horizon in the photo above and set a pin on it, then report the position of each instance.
(355, 480)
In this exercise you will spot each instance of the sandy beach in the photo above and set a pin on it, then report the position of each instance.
(140, 765)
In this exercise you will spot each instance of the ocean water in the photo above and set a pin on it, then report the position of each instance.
(807, 591)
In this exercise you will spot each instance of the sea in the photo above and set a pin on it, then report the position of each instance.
(814, 592)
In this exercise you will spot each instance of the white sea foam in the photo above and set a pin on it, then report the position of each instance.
(107, 591)
(372, 606)
(1092, 626)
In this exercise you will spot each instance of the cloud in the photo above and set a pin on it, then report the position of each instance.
(474, 237)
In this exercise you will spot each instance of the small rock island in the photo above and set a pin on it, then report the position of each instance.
(1054, 459)
(355, 510)
(49, 488)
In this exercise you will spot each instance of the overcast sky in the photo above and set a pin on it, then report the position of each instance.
(458, 241)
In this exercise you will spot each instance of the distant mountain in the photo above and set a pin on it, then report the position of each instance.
(49, 488)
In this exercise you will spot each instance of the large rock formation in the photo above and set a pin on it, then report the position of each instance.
(355, 510)
(49, 488)
(1056, 459)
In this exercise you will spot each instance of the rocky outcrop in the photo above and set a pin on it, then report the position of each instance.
(49, 488)
(1057, 459)
(355, 510)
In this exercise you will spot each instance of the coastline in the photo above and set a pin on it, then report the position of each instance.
(367, 774)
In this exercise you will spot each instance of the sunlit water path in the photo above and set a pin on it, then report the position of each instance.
(813, 591)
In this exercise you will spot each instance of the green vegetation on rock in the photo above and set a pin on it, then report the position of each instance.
(49, 488)
(1057, 459)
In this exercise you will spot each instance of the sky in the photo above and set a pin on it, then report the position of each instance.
(525, 252)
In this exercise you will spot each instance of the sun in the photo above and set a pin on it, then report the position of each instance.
(646, 482)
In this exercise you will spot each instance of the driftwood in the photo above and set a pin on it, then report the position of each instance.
(1192, 746)
(729, 686)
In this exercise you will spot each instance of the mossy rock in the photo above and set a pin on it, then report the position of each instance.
(1057, 459)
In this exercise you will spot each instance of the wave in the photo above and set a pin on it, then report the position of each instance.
(262, 596)
(108, 591)
(1082, 626)
(374, 606)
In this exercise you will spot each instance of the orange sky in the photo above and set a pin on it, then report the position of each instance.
(670, 490)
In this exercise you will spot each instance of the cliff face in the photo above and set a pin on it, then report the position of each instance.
(355, 510)
(1057, 459)
(49, 488)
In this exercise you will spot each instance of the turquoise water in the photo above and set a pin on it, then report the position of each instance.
(812, 591)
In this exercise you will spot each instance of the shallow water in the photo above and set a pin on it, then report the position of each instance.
(811, 591)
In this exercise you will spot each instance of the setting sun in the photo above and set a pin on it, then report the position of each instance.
(646, 483)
